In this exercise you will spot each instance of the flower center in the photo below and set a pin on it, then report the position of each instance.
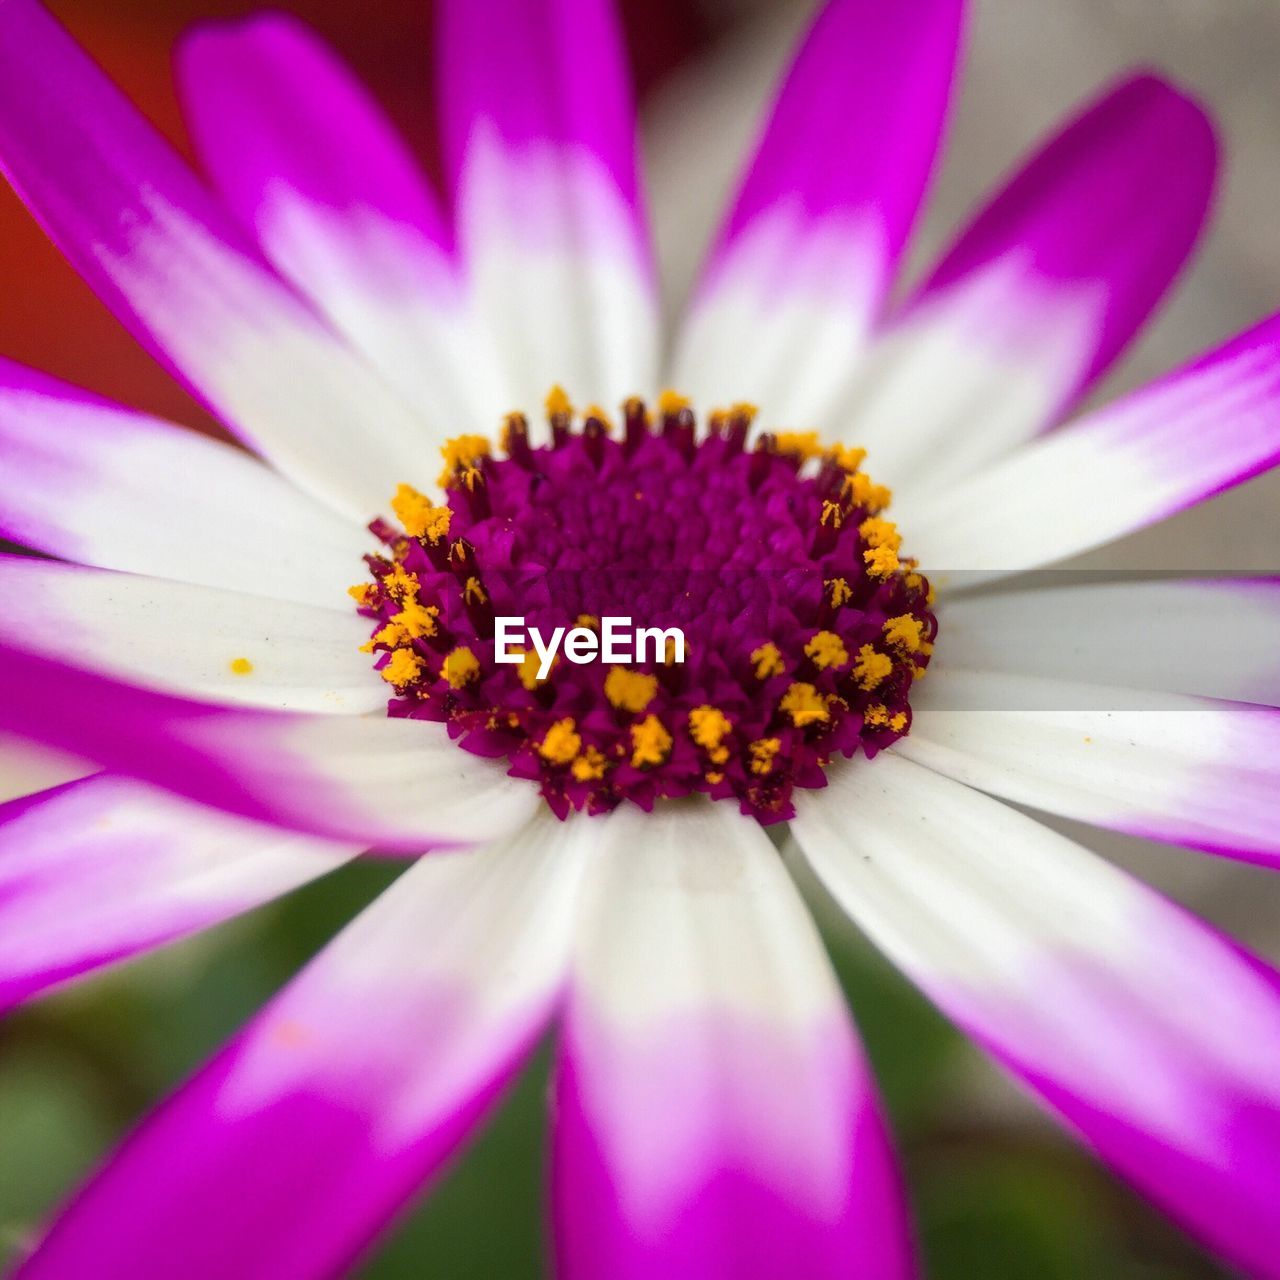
(803, 628)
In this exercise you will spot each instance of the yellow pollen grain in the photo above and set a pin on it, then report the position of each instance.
(876, 532)
(590, 766)
(417, 620)
(803, 444)
(474, 592)
(832, 514)
(876, 715)
(588, 620)
(672, 402)
(826, 649)
(898, 722)
(650, 742)
(558, 404)
(561, 743)
(419, 515)
(838, 591)
(400, 584)
(241, 667)
(629, 690)
(512, 424)
(362, 593)
(745, 409)
(530, 664)
(805, 705)
(767, 661)
(715, 777)
(847, 457)
(404, 668)
(709, 726)
(905, 632)
(461, 667)
(602, 417)
(881, 562)
(763, 751)
(390, 636)
(460, 457)
(862, 491)
(872, 668)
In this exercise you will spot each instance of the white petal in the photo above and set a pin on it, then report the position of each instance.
(191, 640)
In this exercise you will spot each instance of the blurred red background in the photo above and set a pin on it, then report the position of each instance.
(52, 321)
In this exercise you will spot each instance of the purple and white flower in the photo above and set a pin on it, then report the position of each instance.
(595, 855)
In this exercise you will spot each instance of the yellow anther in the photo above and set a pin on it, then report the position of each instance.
(876, 715)
(744, 409)
(629, 690)
(590, 766)
(596, 412)
(474, 592)
(461, 667)
(650, 742)
(805, 705)
(561, 743)
(390, 636)
(400, 584)
(672, 402)
(763, 751)
(241, 667)
(847, 457)
(715, 777)
(905, 632)
(898, 722)
(362, 593)
(913, 582)
(419, 515)
(416, 620)
(404, 668)
(802, 444)
(530, 664)
(588, 620)
(881, 562)
(558, 404)
(832, 514)
(767, 660)
(877, 532)
(511, 424)
(460, 457)
(839, 592)
(863, 492)
(826, 649)
(709, 726)
(872, 668)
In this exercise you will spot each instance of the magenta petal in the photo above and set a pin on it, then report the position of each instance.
(312, 167)
(1044, 290)
(1152, 1036)
(714, 1113)
(171, 262)
(539, 135)
(100, 870)
(397, 784)
(291, 1151)
(87, 480)
(1188, 436)
(1191, 771)
(812, 242)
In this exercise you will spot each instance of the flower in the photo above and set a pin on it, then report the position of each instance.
(195, 641)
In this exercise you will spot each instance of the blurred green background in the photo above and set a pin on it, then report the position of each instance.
(999, 1194)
